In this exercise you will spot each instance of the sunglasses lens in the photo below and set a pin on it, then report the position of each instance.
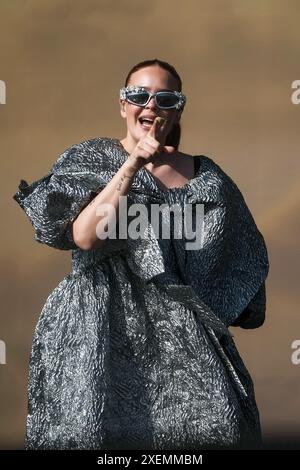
(138, 98)
(166, 100)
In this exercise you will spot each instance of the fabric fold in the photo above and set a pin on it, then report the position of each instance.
(54, 201)
(228, 272)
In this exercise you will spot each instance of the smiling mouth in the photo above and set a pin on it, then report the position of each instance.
(146, 123)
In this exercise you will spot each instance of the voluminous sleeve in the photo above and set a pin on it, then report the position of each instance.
(254, 314)
(53, 202)
(229, 272)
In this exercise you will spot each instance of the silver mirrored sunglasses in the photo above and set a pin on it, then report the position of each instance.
(164, 99)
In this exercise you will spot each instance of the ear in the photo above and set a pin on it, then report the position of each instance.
(122, 108)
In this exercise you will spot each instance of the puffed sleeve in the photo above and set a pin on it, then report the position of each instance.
(53, 202)
(254, 314)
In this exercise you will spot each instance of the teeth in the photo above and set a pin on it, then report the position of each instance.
(146, 120)
(146, 123)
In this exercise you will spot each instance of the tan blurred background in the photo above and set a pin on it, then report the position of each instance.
(63, 63)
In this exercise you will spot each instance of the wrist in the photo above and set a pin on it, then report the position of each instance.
(131, 166)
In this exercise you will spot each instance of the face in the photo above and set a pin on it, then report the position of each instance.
(154, 78)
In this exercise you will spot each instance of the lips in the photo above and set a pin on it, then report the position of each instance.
(146, 121)
(147, 117)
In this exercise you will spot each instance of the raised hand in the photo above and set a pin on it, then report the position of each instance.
(158, 130)
(149, 147)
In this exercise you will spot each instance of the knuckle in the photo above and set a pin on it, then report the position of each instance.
(152, 140)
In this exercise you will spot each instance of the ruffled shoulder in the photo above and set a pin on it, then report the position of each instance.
(230, 269)
(54, 201)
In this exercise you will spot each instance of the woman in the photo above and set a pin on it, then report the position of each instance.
(132, 349)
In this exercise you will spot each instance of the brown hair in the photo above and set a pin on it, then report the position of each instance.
(173, 138)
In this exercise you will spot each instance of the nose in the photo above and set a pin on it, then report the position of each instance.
(152, 103)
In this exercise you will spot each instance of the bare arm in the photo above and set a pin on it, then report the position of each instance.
(84, 226)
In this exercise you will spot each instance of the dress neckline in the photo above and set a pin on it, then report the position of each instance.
(157, 182)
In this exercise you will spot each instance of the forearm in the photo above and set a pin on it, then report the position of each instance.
(84, 226)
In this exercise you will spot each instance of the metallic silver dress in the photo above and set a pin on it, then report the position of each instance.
(132, 349)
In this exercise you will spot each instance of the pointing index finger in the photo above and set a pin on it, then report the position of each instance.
(157, 126)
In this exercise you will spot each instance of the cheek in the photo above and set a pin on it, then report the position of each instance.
(133, 117)
(133, 111)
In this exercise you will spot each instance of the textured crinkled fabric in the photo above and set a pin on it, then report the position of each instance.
(132, 348)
